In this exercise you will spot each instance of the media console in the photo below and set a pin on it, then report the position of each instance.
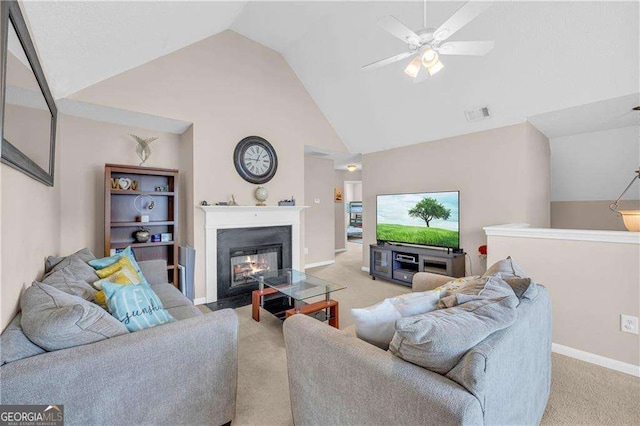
(400, 263)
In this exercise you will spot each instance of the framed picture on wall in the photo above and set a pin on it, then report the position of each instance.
(337, 194)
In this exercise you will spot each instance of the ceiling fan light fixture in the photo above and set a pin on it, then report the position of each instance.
(435, 68)
(413, 68)
(429, 57)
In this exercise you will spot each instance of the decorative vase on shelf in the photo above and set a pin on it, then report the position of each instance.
(142, 235)
(143, 149)
(261, 195)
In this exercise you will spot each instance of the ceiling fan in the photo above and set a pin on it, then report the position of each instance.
(428, 44)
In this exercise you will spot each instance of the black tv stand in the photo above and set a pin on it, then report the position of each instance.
(399, 263)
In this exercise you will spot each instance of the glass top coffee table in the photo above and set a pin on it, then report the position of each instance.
(298, 287)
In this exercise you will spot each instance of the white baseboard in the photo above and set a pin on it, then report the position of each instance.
(316, 264)
(602, 361)
(365, 269)
(340, 250)
(200, 301)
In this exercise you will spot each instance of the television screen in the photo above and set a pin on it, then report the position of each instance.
(427, 218)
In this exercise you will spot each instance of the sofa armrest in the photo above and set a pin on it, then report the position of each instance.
(335, 378)
(424, 281)
(155, 271)
(179, 373)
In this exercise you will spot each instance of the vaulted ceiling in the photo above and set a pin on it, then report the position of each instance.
(548, 56)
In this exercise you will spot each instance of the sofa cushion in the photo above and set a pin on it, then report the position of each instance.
(486, 288)
(85, 255)
(184, 312)
(170, 296)
(136, 306)
(437, 340)
(376, 324)
(14, 345)
(524, 288)
(75, 267)
(122, 277)
(154, 271)
(54, 320)
(70, 281)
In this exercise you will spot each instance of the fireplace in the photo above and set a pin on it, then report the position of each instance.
(242, 252)
(246, 262)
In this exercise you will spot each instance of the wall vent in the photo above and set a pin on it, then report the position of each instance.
(476, 114)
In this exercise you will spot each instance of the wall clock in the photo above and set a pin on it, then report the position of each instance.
(255, 160)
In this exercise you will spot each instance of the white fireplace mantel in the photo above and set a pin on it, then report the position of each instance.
(228, 217)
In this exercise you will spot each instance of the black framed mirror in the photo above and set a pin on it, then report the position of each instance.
(28, 113)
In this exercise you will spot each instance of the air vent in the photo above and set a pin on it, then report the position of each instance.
(477, 113)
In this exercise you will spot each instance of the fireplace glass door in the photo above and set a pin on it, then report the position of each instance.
(249, 261)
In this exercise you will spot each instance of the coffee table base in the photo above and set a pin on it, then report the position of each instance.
(331, 305)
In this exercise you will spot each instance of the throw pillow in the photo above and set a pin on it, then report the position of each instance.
(109, 261)
(376, 324)
(438, 340)
(75, 267)
(123, 263)
(524, 288)
(136, 306)
(14, 345)
(85, 255)
(452, 285)
(65, 280)
(485, 288)
(121, 277)
(56, 320)
(505, 268)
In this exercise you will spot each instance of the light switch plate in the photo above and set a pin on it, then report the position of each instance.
(317, 201)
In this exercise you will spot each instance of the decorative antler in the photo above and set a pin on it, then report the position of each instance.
(143, 149)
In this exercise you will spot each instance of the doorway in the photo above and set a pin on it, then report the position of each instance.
(353, 212)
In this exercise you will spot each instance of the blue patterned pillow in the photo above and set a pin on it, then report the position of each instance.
(136, 306)
(108, 261)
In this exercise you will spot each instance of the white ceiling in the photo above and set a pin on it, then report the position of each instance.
(594, 117)
(548, 57)
(83, 42)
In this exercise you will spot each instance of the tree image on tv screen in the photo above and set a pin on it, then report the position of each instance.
(429, 209)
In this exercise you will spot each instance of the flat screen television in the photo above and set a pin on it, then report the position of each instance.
(424, 218)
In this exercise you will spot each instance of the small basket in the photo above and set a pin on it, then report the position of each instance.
(287, 203)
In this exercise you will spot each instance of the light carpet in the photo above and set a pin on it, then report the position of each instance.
(581, 393)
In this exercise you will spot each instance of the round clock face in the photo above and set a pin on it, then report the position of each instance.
(255, 160)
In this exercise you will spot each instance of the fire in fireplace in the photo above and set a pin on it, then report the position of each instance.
(246, 262)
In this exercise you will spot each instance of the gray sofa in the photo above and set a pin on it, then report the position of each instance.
(335, 378)
(179, 373)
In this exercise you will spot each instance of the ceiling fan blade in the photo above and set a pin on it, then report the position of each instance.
(387, 61)
(467, 13)
(398, 29)
(473, 48)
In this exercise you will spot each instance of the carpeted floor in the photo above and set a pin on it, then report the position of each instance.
(581, 393)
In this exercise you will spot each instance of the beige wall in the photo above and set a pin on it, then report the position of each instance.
(500, 174)
(318, 218)
(85, 147)
(339, 208)
(229, 87)
(590, 283)
(30, 232)
(589, 214)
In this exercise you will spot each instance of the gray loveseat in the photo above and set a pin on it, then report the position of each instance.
(179, 373)
(336, 378)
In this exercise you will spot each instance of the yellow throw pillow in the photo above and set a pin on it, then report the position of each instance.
(121, 277)
(123, 263)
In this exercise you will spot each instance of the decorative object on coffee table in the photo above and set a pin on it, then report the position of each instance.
(255, 160)
(261, 195)
(122, 215)
(143, 149)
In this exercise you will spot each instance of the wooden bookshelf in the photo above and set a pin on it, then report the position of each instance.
(120, 215)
